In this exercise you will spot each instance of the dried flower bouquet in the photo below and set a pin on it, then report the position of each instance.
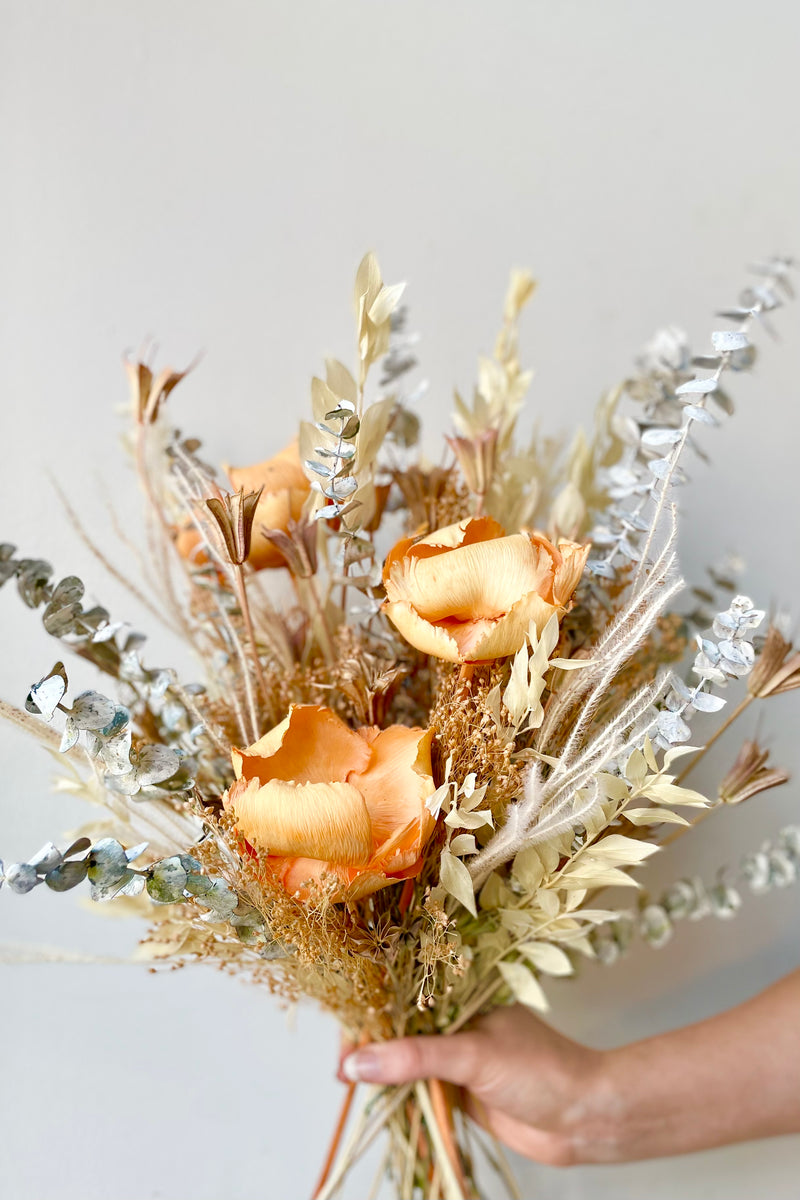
(405, 792)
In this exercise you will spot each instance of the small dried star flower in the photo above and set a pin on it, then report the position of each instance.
(777, 669)
(750, 775)
(234, 515)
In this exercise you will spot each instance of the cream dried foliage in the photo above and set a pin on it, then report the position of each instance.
(545, 909)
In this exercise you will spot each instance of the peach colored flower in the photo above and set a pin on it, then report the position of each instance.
(321, 800)
(190, 544)
(285, 490)
(469, 593)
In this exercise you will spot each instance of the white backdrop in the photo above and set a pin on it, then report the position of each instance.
(209, 175)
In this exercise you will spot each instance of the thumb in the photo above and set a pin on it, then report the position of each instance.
(453, 1059)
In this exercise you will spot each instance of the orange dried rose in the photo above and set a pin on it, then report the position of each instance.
(469, 592)
(321, 800)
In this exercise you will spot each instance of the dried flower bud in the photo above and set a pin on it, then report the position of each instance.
(777, 669)
(476, 457)
(148, 391)
(749, 775)
(298, 545)
(234, 515)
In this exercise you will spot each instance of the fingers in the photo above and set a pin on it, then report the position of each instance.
(453, 1059)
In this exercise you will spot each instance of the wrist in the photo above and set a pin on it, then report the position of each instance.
(594, 1121)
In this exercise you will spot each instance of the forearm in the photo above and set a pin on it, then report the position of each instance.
(731, 1078)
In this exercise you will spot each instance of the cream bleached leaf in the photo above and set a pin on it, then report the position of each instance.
(616, 848)
(463, 843)
(593, 875)
(654, 816)
(670, 793)
(455, 879)
(548, 958)
(524, 986)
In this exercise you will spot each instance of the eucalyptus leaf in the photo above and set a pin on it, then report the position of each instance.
(46, 695)
(61, 616)
(696, 387)
(166, 880)
(68, 875)
(90, 710)
(47, 858)
(21, 878)
(155, 764)
(107, 862)
(729, 339)
(33, 576)
(77, 847)
(69, 737)
(109, 889)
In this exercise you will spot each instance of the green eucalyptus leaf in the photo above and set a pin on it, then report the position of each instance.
(167, 880)
(68, 875)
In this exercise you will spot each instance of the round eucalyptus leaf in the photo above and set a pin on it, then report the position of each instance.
(107, 863)
(90, 710)
(118, 721)
(134, 887)
(246, 916)
(154, 764)
(249, 935)
(190, 864)
(107, 891)
(167, 881)
(655, 925)
(70, 736)
(46, 859)
(22, 878)
(33, 575)
(198, 884)
(220, 900)
(67, 876)
(77, 847)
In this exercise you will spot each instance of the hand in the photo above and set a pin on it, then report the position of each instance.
(731, 1078)
(522, 1080)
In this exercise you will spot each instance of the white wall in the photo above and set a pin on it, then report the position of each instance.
(209, 175)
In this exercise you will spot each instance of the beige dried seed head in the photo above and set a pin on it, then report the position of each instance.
(749, 775)
(777, 669)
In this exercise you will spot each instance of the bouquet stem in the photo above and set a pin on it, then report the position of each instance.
(333, 1149)
(425, 1153)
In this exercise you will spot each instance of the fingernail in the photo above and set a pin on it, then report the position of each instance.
(363, 1066)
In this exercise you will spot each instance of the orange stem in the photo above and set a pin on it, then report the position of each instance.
(465, 680)
(336, 1139)
(443, 1114)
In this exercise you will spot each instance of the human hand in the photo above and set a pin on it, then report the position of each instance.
(521, 1079)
